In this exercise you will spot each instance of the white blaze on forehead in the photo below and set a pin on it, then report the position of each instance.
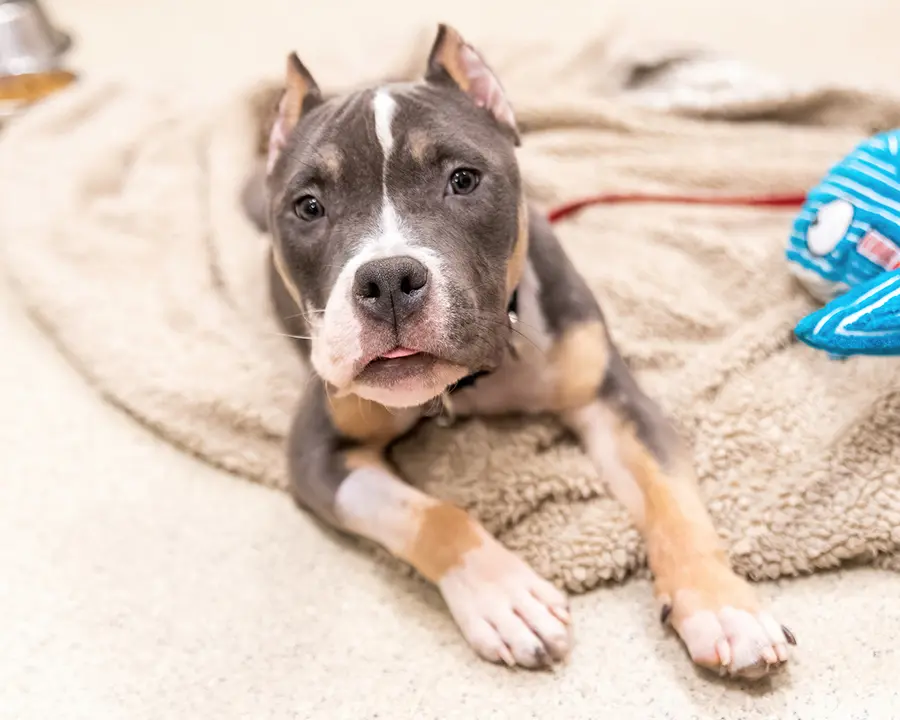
(384, 106)
(390, 238)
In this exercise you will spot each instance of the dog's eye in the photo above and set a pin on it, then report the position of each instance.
(463, 181)
(308, 208)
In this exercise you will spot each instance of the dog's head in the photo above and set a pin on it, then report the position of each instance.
(398, 224)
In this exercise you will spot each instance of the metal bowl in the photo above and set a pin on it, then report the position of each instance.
(31, 49)
(29, 43)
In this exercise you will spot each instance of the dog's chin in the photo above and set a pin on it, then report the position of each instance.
(406, 381)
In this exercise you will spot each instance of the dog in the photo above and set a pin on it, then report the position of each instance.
(417, 281)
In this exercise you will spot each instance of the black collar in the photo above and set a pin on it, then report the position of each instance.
(469, 380)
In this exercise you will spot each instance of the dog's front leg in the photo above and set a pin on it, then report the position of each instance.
(339, 472)
(639, 455)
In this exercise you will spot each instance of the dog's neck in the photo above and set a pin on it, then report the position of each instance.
(469, 380)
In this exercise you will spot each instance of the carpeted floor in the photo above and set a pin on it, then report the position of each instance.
(138, 583)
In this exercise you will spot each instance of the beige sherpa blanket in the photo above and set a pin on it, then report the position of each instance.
(122, 231)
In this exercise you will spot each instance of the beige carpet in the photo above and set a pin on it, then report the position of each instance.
(127, 596)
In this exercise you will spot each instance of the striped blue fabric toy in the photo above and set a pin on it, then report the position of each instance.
(845, 248)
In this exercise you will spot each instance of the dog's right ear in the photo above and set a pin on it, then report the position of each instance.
(301, 94)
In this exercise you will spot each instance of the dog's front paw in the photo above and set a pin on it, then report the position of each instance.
(505, 610)
(717, 617)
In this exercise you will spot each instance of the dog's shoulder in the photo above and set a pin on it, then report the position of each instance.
(563, 296)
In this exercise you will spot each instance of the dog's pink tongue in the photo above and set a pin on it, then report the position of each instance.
(399, 353)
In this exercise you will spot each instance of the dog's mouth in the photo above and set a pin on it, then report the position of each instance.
(404, 376)
(400, 366)
(398, 352)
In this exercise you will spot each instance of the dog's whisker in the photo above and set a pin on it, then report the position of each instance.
(304, 314)
(497, 323)
(293, 337)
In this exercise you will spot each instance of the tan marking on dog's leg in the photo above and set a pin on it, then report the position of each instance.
(373, 503)
(714, 611)
(503, 608)
(446, 534)
(579, 359)
(368, 422)
(430, 535)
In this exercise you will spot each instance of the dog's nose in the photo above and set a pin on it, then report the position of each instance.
(391, 289)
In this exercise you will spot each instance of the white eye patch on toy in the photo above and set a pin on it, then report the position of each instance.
(829, 226)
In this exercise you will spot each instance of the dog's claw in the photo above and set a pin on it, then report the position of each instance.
(665, 613)
(789, 635)
(723, 650)
(506, 656)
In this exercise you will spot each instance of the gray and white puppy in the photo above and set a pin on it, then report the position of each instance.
(403, 251)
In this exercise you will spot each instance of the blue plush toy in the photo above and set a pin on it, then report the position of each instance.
(845, 248)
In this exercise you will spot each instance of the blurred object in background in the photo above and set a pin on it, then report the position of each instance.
(31, 52)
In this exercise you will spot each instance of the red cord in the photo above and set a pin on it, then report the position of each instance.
(570, 208)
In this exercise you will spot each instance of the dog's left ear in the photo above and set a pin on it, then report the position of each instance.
(453, 60)
(301, 94)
